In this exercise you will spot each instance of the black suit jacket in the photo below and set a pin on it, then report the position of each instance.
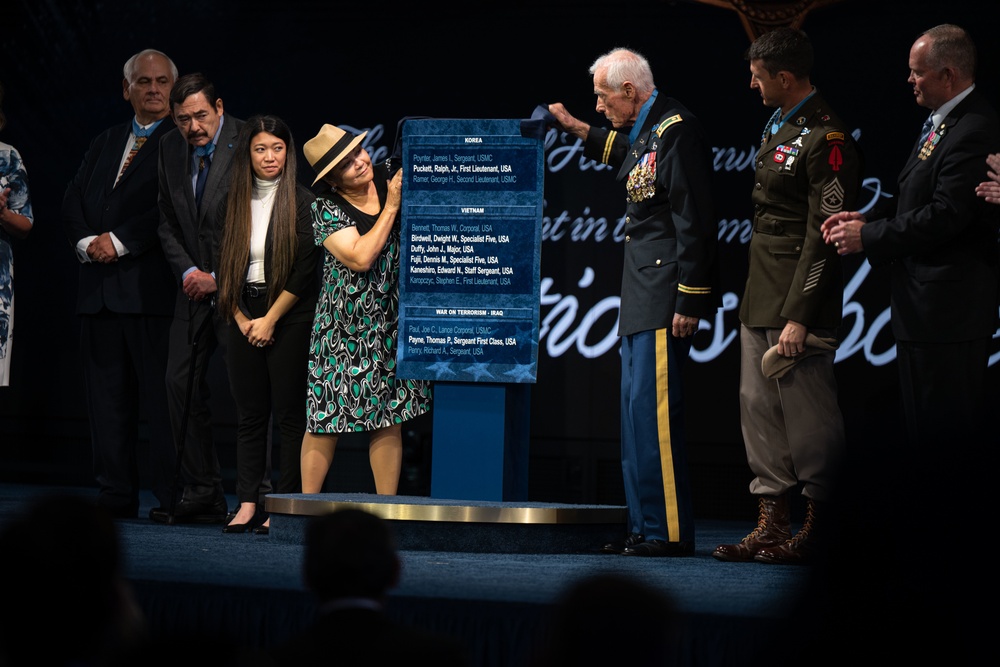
(140, 281)
(191, 236)
(942, 242)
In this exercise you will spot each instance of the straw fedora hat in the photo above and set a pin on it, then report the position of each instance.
(329, 147)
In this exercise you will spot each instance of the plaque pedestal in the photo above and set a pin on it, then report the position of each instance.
(479, 449)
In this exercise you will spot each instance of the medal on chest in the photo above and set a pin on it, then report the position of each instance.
(641, 183)
(930, 143)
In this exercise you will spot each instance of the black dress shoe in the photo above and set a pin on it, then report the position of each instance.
(188, 511)
(621, 545)
(660, 548)
(159, 514)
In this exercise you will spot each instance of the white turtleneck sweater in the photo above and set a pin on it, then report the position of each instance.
(260, 210)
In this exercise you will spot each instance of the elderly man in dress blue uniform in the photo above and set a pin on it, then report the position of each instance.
(669, 283)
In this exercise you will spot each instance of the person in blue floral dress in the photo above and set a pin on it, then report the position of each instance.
(352, 384)
(16, 220)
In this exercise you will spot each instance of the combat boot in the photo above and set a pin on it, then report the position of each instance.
(801, 549)
(772, 530)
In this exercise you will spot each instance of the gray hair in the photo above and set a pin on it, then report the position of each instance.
(129, 69)
(951, 46)
(625, 65)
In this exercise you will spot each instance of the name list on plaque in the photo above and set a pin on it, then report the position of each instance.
(469, 266)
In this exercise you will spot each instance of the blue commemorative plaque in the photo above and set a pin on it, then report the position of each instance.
(469, 266)
(469, 295)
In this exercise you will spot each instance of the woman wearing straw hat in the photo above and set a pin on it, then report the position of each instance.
(352, 362)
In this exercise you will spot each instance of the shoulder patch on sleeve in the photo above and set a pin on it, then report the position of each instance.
(661, 128)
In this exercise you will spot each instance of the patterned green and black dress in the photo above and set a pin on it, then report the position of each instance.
(352, 351)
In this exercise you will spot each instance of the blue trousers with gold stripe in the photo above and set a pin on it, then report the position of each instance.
(654, 453)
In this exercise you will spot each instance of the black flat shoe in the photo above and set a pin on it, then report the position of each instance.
(236, 528)
(254, 524)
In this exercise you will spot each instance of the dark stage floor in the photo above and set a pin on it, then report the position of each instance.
(193, 577)
(875, 599)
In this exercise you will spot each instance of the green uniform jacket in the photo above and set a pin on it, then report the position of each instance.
(810, 169)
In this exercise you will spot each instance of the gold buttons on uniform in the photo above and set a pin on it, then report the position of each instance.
(627, 238)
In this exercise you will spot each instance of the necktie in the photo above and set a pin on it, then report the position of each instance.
(141, 134)
(204, 154)
(925, 131)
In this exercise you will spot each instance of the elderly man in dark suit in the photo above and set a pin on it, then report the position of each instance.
(125, 293)
(194, 180)
(941, 251)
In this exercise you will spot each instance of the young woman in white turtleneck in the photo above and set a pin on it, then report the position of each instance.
(268, 284)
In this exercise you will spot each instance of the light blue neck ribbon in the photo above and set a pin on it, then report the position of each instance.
(140, 131)
(775, 126)
(206, 150)
(641, 119)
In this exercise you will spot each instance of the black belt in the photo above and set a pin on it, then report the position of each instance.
(255, 290)
(776, 227)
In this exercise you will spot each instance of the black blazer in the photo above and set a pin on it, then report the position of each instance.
(942, 242)
(191, 237)
(140, 281)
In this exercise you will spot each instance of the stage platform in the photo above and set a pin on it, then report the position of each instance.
(433, 524)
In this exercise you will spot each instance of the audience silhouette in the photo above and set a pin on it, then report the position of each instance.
(608, 619)
(351, 564)
(71, 605)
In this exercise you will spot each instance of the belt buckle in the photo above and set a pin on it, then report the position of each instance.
(253, 291)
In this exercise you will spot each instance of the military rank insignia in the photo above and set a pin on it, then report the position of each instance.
(641, 183)
(662, 127)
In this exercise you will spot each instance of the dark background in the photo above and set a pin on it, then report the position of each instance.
(366, 66)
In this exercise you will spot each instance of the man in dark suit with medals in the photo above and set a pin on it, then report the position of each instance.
(194, 179)
(941, 249)
(125, 292)
(935, 483)
(669, 283)
(807, 168)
